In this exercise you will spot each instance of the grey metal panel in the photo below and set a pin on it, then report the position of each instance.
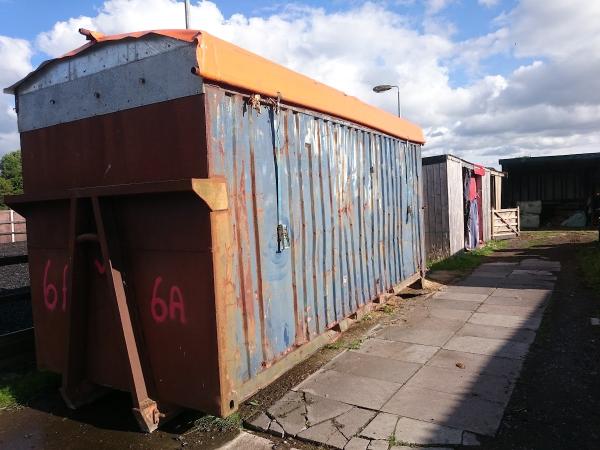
(104, 56)
(164, 76)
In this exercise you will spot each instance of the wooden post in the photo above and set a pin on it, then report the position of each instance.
(12, 225)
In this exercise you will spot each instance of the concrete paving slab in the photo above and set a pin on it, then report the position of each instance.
(490, 273)
(481, 281)
(448, 314)
(455, 411)
(357, 443)
(485, 346)
(525, 294)
(501, 264)
(539, 264)
(526, 278)
(353, 421)
(493, 332)
(462, 382)
(534, 273)
(248, 441)
(469, 289)
(260, 422)
(319, 409)
(532, 280)
(418, 432)
(325, 433)
(499, 320)
(427, 331)
(381, 427)
(372, 366)
(402, 351)
(460, 296)
(485, 271)
(290, 412)
(515, 301)
(515, 283)
(470, 439)
(348, 388)
(452, 304)
(481, 364)
(276, 429)
(519, 311)
(379, 445)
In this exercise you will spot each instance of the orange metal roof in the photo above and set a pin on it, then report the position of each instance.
(224, 62)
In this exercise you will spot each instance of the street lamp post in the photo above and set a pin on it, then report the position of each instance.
(386, 87)
(187, 14)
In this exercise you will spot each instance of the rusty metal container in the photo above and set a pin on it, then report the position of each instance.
(200, 219)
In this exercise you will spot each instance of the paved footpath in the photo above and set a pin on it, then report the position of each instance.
(442, 378)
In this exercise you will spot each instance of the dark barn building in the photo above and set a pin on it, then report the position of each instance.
(565, 184)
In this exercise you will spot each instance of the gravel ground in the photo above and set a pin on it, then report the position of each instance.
(14, 279)
(16, 248)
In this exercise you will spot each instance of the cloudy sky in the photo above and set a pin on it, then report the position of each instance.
(486, 79)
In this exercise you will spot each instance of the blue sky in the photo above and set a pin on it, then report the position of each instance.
(468, 19)
(484, 78)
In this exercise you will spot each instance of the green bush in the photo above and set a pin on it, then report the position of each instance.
(11, 176)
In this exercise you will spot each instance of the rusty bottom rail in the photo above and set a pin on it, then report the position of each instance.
(16, 295)
(13, 259)
(18, 345)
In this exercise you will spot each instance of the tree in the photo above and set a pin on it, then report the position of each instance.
(11, 176)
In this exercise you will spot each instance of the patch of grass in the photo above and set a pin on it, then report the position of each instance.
(351, 345)
(388, 309)
(589, 263)
(18, 389)
(354, 344)
(218, 424)
(367, 317)
(465, 261)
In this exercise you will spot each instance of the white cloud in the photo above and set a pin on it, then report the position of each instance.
(547, 106)
(435, 6)
(15, 56)
(488, 3)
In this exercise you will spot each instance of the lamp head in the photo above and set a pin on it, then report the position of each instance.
(382, 88)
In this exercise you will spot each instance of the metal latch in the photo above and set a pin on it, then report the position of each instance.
(283, 238)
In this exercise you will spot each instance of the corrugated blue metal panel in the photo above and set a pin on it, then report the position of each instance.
(349, 199)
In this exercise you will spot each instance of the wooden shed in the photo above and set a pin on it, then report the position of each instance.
(564, 184)
(460, 198)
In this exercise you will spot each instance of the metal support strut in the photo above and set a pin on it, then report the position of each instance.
(76, 389)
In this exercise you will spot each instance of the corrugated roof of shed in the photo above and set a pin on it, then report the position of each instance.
(223, 62)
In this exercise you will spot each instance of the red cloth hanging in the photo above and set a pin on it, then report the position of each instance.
(479, 170)
(472, 189)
